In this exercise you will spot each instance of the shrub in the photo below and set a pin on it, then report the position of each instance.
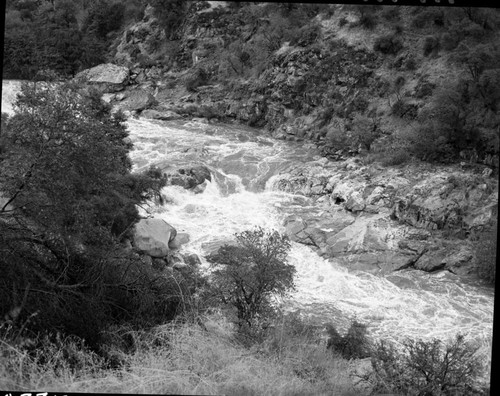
(394, 158)
(343, 21)
(401, 108)
(431, 45)
(424, 88)
(426, 368)
(449, 41)
(391, 13)
(364, 132)
(248, 275)
(486, 248)
(389, 44)
(198, 78)
(353, 345)
(368, 21)
(398, 29)
(410, 63)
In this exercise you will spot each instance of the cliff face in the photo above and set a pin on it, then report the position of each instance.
(363, 93)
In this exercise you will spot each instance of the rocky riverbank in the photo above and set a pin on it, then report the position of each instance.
(375, 218)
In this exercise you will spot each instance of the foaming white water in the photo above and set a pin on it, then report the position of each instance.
(404, 304)
(10, 89)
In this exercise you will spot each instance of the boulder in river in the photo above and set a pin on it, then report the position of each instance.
(190, 177)
(108, 77)
(152, 237)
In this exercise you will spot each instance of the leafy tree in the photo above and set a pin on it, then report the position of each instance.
(427, 368)
(68, 198)
(248, 274)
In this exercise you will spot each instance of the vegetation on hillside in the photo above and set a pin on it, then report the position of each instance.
(64, 36)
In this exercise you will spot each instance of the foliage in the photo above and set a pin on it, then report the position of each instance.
(389, 44)
(197, 78)
(69, 198)
(431, 45)
(426, 368)
(486, 253)
(170, 14)
(401, 108)
(248, 275)
(364, 131)
(368, 18)
(353, 345)
(390, 13)
(64, 36)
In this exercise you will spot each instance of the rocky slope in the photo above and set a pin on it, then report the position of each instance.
(373, 217)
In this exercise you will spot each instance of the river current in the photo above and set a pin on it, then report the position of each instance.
(244, 163)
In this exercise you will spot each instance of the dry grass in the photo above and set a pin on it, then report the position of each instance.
(186, 359)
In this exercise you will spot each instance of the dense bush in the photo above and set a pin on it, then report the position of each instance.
(69, 199)
(401, 108)
(196, 79)
(248, 275)
(486, 253)
(170, 14)
(431, 45)
(390, 13)
(389, 44)
(426, 368)
(353, 345)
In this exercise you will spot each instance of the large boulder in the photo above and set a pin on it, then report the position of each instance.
(152, 237)
(106, 77)
(137, 100)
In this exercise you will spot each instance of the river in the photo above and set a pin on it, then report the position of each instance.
(244, 162)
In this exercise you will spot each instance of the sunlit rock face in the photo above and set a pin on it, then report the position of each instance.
(152, 237)
(385, 219)
(107, 77)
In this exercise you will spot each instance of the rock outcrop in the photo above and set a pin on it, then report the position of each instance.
(153, 236)
(107, 77)
(191, 178)
(384, 219)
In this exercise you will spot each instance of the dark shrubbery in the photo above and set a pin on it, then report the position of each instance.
(401, 108)
(388, 45)
(247, 275)
(431, 45)
(198, 78)
(390, 13)
(72, 199)
(353, 345)
(486, 253)
(426, 368)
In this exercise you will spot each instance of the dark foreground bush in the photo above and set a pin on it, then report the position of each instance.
(389, 45)
(248, 275)
(486, 254)
(353, 345)
(427, 368)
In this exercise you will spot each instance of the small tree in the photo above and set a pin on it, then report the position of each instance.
(427, 368)
(247, 275)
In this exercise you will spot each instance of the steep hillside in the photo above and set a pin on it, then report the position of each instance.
(385, 80)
